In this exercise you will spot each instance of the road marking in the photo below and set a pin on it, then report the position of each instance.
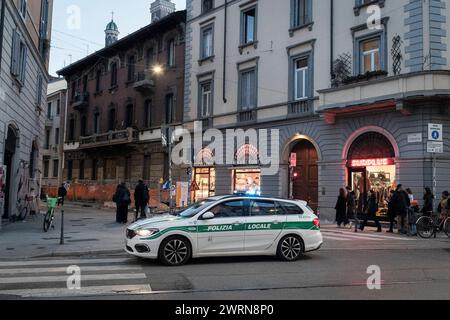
(327, 237)
(64, 269)
(93, 277)
(343, 233)
(63, 262)
(85, 291)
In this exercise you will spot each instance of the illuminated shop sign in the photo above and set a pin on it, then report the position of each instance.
(371, 162)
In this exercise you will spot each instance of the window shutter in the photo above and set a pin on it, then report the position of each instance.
(23, 66)
(15, 53)
(252, 89)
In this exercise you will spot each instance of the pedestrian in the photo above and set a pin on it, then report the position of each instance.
(341, 209)
(444, 208)
(62, 193)
(141, 199)
(411, 218)
(372, 210)
(391, 213)
(351, 207)
(402, 203)
(428, 199)
(122, 200)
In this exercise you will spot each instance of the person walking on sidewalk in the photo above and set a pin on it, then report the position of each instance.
(372, 210)
(428, 198)
(122, 200)
(341, 209)
(402, 203)
(411, 218)
(141, 199)
(391, 213)
(351, 207)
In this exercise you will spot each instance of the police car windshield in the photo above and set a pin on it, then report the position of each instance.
(194, 209)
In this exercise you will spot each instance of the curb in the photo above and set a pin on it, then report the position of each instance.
(77, 253)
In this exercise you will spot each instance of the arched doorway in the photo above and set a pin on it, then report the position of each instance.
(371, 168)
(8, 160)
(305, 185)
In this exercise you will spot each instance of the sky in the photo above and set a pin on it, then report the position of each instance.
(78, 26)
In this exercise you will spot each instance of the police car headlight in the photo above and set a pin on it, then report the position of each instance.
(146, 232)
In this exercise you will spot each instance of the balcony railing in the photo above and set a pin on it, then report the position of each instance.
(111, 138)
(144, 82)
(247, 116)
(81, 101)
(301, 108)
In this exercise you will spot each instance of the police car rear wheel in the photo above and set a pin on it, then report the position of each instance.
(175, 251)
(290, 248)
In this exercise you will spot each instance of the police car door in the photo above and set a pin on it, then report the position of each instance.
(264, 225)
(224, 233)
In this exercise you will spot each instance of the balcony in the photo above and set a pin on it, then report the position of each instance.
(81, 101)
(49, 122)
(301, 108)
(247, 116)
(144, 82)
(109, 139)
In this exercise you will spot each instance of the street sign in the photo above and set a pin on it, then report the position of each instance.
(435, 132)
(414, 138)
(435, 147)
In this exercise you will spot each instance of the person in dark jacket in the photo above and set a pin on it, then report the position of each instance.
(62, 193)
(428, 199)
(391, 213)
(402, 204)
(351, 207)
(341, 209)
(141, 199)
(122, 200)
(372, 209)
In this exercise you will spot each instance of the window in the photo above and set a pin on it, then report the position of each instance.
(70, 170)
(72, 130)
(47, 139)
(206, 43)
(129, 116)
(300, 78)
(94, 169)
(150, 58)
(46, 168)
(301, 12)
(81, 172)
(23, 8)
(171, 53)
(206, 97)
(83, 126)
(85, 83)
(55, 168)
(248, 26)
(112, 120)
(57, 136)
(113, 74)
(58, 107)
(18, 57)
(49, 110)
(98, 78)
(74, 90)
(131, 68)
(230, 209)
(370, 55)
(148, 114)
(263, 208)
(248, 90)
(207, 5)
(291, 209)
(169, 111)
(97, 123)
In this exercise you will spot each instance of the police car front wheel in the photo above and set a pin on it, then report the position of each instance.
(290, 248)
(175, 251)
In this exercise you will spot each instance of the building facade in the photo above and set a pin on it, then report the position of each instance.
(25, 32)
(53, 141)
(119, 98)
(351, 93)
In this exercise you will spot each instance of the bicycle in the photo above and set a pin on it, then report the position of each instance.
(52, 203)
(24, 207)
(428, 227)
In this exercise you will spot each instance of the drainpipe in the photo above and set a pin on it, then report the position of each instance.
(331, 37)
(225, 53)
(2, 24)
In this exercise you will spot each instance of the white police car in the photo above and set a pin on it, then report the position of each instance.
(228, 226)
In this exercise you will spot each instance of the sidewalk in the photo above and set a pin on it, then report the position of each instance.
(88, 229)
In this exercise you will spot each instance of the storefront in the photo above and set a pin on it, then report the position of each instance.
(247, 181)
(204, 176)
(371, 169)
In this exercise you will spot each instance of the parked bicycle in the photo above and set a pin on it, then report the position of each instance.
(24, 207)
(52, 203)
(428, 227)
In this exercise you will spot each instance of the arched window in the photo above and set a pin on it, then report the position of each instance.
(113, 74)
(97, 123)
(131, 68)
(148, 114)
(112, 120)
(150, 58)
(129, 116)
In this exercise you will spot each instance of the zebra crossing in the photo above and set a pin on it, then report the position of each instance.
(342, 235)
(58, 278)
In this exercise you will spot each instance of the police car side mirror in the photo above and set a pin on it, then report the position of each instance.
(208, 216)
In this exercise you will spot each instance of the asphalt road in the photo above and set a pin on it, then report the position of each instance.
(410, 269)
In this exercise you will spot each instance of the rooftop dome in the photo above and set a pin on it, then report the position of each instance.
(112, 26)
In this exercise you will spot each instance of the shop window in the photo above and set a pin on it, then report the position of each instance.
(205, 180)
(247, 181)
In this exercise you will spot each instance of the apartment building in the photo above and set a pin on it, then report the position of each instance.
(351, 93)
(119, 99)
(25, 32)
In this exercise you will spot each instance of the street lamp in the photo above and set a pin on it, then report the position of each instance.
(157, 69)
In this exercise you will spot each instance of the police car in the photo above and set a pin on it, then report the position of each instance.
(228, 226)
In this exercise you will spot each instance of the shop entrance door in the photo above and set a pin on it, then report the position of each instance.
(306, 186)
(358, 183)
